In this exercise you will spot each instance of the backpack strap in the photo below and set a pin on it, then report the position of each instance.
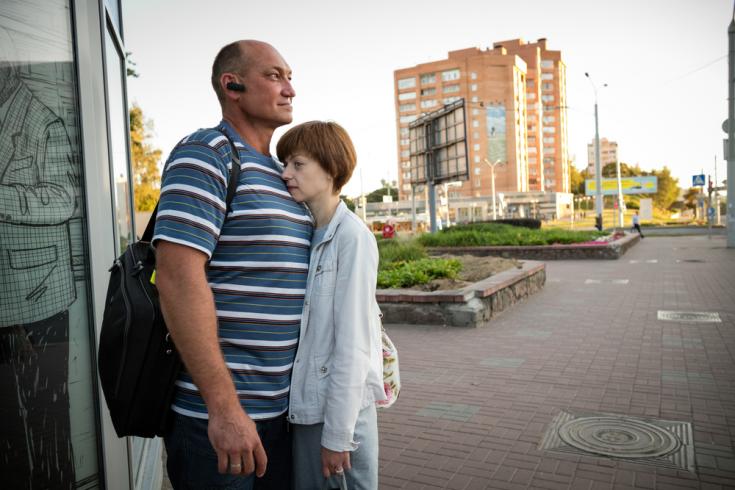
(231, 189)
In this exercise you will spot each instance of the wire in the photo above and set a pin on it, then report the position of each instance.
(694, 71)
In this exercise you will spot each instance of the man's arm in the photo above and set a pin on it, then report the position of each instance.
(189, 310)
(51, 199)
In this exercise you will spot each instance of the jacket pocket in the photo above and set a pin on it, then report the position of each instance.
(322, 365)
(325, 278)
(33, 258)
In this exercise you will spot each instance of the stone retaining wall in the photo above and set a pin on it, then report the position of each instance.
(470, 306)
(612, 251)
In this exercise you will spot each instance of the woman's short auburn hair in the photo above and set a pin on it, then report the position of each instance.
(326, 142)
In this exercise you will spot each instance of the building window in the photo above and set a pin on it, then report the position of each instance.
(406, 187)
(450, 75)
(531, 149)
(404, 131)
(407, 96)
(533, 161)
(428, 78)
(406, 164)
(547, 63)
(550, 140)
(451, 89)
(549, 119)
(425, 104)
(548, 150)
(408, 119)
(473, 75)
(530, 95)
(477, 170)
(547, 86)
(547, 98)
(547, 76)
(407, 107)
(449, 100)
(405, 141)
(476, 147)
(428, 91)
(477, 158)
(475, 123)
(549, 129)
(473, 87)
(404, 83)
(475, 99)
(475, 135)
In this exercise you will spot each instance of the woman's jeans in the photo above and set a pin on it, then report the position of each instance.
(307, 458)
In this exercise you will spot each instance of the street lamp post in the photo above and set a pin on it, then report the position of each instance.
(492, 180)
(598, 170)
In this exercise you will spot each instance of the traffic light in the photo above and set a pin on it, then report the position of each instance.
(710, 187)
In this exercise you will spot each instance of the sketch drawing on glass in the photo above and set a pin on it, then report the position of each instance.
(39, 196)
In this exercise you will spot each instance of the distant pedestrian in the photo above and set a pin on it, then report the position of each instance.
(637, 224)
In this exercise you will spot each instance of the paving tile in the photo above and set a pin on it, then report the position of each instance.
(475, 402)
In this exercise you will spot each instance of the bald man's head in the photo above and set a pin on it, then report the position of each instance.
(234, 58)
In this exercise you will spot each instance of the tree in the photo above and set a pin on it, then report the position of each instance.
(576, 180)
(388, 188)
(145, 159)
(690, 197)
(668, 188)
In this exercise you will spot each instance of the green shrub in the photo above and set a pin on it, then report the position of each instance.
(495, 234)
(407, 274)
(396, 250)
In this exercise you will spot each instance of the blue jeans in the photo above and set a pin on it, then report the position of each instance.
(192, 461)
(307, 459)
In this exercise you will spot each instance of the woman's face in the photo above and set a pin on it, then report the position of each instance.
(306, 179)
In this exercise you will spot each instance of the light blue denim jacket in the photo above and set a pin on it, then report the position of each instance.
(338, 369)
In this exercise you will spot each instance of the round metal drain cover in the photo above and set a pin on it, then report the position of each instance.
(618, 437)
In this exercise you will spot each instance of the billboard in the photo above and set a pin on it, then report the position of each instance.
(496, 135)
(630, 185)
(438, 146)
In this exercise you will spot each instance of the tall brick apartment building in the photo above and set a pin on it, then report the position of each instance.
(516, 114)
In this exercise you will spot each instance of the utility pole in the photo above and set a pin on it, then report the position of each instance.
(492, 180)
(731, 135)
(717, 197)
(598, 169)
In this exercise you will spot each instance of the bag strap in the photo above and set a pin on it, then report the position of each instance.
(231, 189)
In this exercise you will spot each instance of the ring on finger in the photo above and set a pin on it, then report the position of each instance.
(339, 470)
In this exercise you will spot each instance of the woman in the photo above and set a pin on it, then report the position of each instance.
(338, 373)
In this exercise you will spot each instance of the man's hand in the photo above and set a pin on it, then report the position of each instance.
(235, 440)
(334, 462)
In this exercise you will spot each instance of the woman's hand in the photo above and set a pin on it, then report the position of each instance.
(334, 462)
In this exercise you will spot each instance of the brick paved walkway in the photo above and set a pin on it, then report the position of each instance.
(476, 402)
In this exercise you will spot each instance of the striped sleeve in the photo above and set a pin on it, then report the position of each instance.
(192, 206)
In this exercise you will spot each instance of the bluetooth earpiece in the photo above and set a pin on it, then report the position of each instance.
(237, 87)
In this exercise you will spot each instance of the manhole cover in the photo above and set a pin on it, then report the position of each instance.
(689, 316)
(618, 437)
(662, 443)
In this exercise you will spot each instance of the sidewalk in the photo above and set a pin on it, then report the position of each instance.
(476, 402)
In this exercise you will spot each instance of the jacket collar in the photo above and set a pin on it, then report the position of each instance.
(339, 214)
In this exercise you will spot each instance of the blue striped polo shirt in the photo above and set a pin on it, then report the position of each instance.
(259, 258)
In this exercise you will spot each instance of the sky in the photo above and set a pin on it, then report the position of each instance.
(664, 61)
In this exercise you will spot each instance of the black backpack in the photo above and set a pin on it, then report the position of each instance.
(138, 363)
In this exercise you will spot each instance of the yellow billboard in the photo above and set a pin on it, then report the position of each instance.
(630, 185)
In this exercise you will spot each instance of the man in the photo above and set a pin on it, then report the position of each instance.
(232, 287)
(637, 224)
(38, 196)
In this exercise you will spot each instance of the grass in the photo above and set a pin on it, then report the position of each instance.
(495, 234)
(405, 263)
